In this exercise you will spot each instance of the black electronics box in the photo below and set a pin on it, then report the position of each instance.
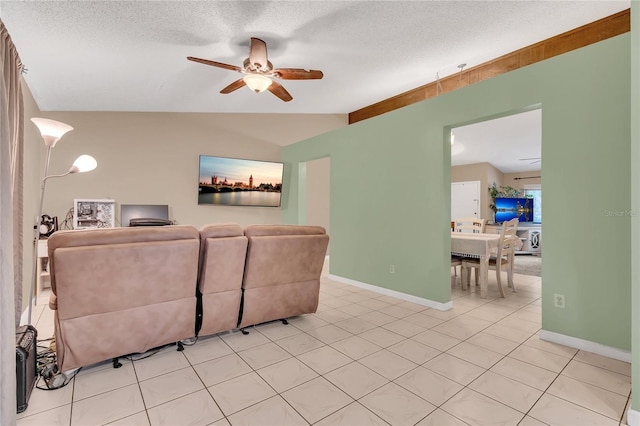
(146, 221)
(26, 370)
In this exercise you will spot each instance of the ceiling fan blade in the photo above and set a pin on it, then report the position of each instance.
(298, 74)
(215, 64)
(278, 90)
(258, 53)
(233, 86)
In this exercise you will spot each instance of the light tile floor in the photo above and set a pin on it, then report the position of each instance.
(362, 359)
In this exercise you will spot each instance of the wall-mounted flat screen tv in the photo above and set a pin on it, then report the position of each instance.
(237, 182)
(509, 208)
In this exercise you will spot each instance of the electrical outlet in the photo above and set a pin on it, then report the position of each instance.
(392, 269)
(558, 300)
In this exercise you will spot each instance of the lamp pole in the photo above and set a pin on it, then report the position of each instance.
(51, 131)
(34, 275)
(34, 278)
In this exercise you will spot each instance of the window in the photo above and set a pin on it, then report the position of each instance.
(535, 192)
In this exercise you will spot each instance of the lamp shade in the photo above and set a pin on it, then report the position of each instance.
(51, 130)
(257, 82)
(84, 163)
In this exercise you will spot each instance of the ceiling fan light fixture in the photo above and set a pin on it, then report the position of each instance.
(257, 82)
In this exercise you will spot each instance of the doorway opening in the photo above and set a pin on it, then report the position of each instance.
(505, 151)
(315, 197)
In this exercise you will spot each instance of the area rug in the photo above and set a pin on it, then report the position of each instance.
(527, 264)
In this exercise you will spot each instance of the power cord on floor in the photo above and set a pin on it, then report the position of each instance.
(55, 379)
(145, 355)
(47, 367)
(151, 352)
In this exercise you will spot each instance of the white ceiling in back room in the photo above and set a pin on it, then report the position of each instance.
(511, 144)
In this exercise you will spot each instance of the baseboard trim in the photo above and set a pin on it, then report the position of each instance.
(586, 345)
(387, 292)
(633, 417)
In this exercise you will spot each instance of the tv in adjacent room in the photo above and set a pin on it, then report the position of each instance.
(509, 208)
(238, 182)
(142, 211)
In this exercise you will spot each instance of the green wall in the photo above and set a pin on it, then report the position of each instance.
(390, 188)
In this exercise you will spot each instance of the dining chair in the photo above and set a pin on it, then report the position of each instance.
(503, 259)
(455, 262)
(465, 224)
(469, 224)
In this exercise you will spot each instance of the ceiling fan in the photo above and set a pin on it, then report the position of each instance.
(259, 73)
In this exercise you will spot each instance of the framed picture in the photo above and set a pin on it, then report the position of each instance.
(93, 213)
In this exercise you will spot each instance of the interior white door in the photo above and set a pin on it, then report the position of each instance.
(465, 199)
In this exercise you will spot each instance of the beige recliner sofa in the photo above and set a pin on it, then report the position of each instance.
(127, 290)
(123, 290)
(282, 272)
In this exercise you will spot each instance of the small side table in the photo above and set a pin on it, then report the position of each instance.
(42, 274)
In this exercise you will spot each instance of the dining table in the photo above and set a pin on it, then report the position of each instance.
(480, 246)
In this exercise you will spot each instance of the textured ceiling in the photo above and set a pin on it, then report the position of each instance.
(131, 55)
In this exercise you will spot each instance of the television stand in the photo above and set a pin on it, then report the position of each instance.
(529, 233)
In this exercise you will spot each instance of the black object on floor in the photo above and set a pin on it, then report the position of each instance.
(26, 370)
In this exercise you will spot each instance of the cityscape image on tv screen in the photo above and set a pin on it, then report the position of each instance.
(238, 182)
(509, 208)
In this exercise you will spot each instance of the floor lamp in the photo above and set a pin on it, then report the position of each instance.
(51, 132)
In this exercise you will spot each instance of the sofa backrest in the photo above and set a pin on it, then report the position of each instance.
(125, 258)
(222, 252)
(280, 254)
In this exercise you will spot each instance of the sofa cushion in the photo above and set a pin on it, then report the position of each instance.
(273, 260)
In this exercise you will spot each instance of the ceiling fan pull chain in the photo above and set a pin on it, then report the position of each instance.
(461, 66)
(438, 85)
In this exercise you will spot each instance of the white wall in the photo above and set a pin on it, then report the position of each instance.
(486, 174)
(33, 168)
(318, 192)
(152, 158)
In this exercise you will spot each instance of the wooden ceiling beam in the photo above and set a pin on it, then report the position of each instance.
(585, 35)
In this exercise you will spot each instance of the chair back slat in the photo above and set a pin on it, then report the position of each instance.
(508, 234)
(469, 224)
